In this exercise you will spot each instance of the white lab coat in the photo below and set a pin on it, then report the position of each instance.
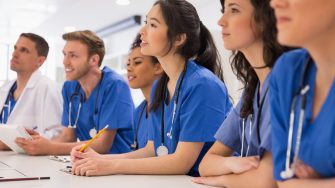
(39, 105)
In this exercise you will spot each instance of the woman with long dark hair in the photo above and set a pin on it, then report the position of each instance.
(248, 29)
(189, 102)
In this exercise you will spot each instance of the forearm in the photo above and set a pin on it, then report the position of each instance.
(141, 153)
(214, 165)
(308, 183)
(168, 165)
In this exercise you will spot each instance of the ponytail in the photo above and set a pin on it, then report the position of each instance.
(208, 55)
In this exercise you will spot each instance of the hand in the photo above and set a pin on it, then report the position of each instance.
(4, 147)
(93, 167)
(88, 152)
(37, 146)
(216, 181)
(242, 164)
(304, 171)
(32, 132)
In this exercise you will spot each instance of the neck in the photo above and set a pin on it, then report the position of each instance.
(173, 65)
(322, 52)
(22, 80)
(146, 93)
(254, 55)
(90, 81)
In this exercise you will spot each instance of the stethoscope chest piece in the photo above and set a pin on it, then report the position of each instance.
(93, 132)
(162, 150)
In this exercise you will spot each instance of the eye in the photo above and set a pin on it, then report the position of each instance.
(138, 62)
(235, 10)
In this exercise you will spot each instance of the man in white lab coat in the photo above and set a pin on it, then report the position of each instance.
(31, 100)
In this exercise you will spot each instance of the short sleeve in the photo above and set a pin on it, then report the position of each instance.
(203, 109)
(228, 133)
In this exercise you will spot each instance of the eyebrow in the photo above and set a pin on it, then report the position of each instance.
(154, 19)
(233, 4)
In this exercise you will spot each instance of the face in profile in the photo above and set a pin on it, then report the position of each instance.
(238, 30)
(25, 58)
(304, 22)
(141, 71)
(154, 34)
(76, 60)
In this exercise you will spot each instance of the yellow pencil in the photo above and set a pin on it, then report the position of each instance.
(92, 139)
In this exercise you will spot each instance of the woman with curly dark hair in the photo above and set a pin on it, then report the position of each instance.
(249, 30)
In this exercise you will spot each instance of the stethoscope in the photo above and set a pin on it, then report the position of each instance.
(162, 149)
(76, 94)
(258, 124)
(303, 89)
(134, 146)
(8, 104)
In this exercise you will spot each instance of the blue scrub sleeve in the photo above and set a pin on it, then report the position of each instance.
(228, 133)
(117, 107)
(203, 109)
(66, 100)
(279, 117)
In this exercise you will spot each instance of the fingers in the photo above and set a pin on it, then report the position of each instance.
(32, 132)
(211, 181)
(304, 171)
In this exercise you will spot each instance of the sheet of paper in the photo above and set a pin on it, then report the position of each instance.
(10, 173)
(8, 134)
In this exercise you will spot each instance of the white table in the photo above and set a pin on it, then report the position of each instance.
(42, 166)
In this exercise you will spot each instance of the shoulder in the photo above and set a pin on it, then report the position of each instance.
(111, 78)
(200, 77)
(290, 62)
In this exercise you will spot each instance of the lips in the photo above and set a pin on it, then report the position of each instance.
(224, 35)
(13, 61)
(130, 78)
(282, 19)
(68, 70)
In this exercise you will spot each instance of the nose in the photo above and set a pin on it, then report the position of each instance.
(223, 22)
(15, 53)
(275, 4)
(66, 60)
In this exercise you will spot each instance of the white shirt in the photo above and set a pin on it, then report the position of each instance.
(39, 106)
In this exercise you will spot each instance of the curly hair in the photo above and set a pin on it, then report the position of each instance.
(265, 20)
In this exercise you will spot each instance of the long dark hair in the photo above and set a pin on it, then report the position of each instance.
(265, 20)
(182, 18)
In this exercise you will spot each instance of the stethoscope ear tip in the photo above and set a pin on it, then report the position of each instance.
(286, 174)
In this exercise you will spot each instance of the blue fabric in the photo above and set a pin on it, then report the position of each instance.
(230, 132)
(202, 106)
(114, 107)
(142, 126)
(317, 148)
(10, 101)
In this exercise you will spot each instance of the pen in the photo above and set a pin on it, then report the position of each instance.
(92, 139)
(24, 179)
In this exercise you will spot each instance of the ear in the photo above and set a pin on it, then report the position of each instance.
(94, 60)
(180, 40)
(40, 61)
(158, 70)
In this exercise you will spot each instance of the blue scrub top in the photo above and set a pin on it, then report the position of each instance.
(317, 148)
(230, 132)
(142, 125)
(109, 103)
(202, 106)
(9, 101)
